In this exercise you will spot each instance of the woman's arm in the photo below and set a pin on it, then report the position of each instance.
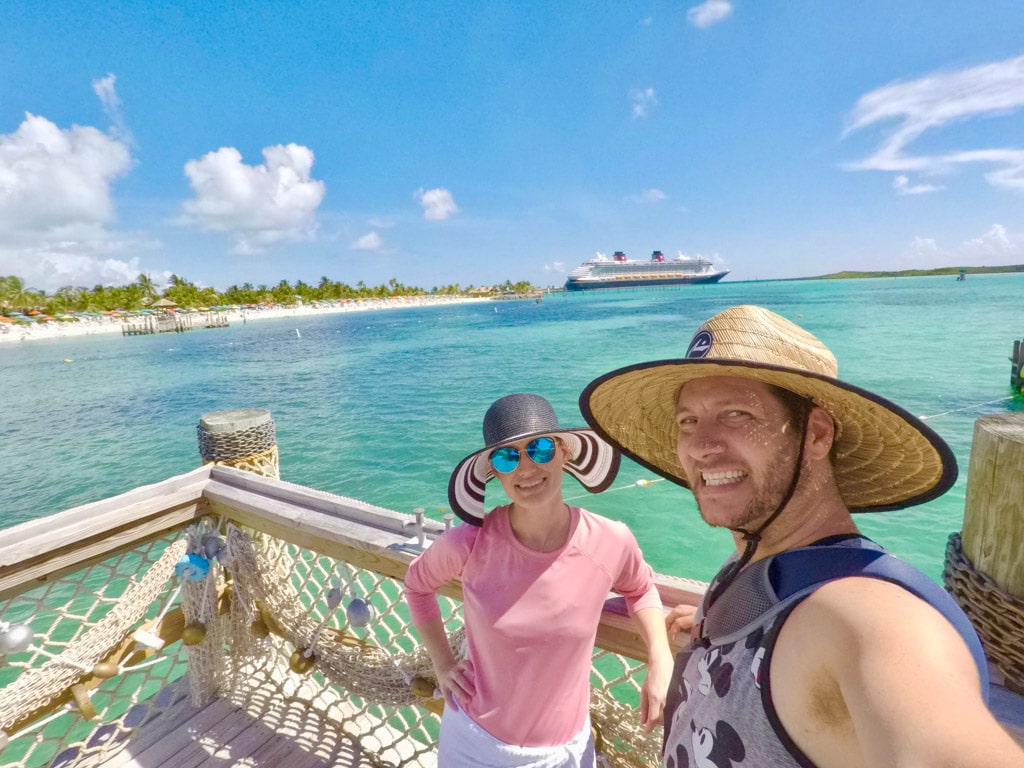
(436, 566)
(454, 677)
(651, 624)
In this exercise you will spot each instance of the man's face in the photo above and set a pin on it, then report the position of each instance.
(737, 449)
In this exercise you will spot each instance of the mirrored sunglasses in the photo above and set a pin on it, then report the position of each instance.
(540, 450)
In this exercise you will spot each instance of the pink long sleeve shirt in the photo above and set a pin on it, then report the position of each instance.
(531, 617)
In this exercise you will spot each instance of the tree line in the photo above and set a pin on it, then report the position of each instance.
(143, 292)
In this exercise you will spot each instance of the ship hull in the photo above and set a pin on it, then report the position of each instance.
(573, 284)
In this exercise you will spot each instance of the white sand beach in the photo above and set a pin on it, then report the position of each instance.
(13, 333)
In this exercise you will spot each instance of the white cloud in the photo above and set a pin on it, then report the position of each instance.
(708, 13)
(369, 242)
(555, 266)
(903, 186)
(256, 205)
(56, 206)
(924, 252)
(652, 195)
(380, 222)
(107, 94)
(995, 246)
(937, 100)
(438, 204)
(998, 246)
(52, 178)
(643, 101)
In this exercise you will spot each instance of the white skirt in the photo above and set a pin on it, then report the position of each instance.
(464, 744)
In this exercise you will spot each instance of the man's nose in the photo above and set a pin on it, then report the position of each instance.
(703, 441)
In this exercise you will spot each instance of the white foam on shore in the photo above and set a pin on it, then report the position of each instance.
(11, 333)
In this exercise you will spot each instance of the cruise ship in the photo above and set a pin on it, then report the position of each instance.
(620, 272)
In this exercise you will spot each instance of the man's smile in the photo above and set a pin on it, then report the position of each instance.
(722, 478)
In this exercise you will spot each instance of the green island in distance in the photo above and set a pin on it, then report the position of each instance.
(954, 271)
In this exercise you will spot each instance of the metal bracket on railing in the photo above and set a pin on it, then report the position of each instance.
(417, 543)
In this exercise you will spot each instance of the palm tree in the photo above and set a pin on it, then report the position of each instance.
(149, 291)
(14, 294)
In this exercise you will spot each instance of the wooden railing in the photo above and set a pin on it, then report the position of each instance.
(67, 557)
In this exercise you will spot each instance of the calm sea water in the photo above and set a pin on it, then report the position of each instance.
(381, 405)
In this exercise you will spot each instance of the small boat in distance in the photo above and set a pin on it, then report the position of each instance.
(620, 272)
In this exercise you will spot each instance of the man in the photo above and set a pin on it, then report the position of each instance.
(812, 647)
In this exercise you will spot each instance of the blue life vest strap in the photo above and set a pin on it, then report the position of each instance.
(772, 585)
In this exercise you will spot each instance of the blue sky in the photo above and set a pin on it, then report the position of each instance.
(441, 142)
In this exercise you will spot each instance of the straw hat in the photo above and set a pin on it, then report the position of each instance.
(885, 457)
(518, 417)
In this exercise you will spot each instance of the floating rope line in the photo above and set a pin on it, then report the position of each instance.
(641, 483)
(966, 408)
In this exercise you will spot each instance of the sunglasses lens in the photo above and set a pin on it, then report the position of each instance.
(504, 460)
(541, 450)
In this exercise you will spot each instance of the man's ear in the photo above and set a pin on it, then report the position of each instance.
(821, 433)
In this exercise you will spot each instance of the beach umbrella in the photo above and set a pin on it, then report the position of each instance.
(5, 319)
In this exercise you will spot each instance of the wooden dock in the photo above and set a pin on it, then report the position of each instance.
(171, 322)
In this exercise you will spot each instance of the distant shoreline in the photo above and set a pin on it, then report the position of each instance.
(12, 334)
(940, 271)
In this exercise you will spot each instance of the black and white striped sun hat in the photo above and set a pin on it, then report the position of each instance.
(517, 417)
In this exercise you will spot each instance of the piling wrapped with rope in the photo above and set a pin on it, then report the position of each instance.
(997, 615)
(243, 438)
(984, 570)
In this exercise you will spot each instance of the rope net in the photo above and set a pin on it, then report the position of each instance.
(309, 646)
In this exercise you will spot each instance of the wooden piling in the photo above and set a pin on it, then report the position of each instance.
(985, 564)
(1017, 366)
(994, 512)
(242, 438)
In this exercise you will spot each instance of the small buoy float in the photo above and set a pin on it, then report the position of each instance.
(423, 687)
(259, 628)
(359, 612)
(334, 598)
(67, 359)
(193, 634)
(105, 670)
(300, 662)
(16, 638)
(192, 568)
(213, 547)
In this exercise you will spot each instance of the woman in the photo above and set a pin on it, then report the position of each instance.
(535, 574)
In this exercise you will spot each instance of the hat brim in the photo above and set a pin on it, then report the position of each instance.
(592, 461)
(885, 459)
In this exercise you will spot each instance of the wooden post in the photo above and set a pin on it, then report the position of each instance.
(1017, 367)
(993, 534)
(241, 438)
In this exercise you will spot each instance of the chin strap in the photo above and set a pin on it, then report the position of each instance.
(753, 538)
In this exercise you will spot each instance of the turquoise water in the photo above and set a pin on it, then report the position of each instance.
(381, 405)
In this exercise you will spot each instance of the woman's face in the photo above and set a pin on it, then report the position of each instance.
(531, 484)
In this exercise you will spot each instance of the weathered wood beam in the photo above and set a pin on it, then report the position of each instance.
(42, 550)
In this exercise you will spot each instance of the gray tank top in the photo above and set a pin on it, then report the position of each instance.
(719, 712)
